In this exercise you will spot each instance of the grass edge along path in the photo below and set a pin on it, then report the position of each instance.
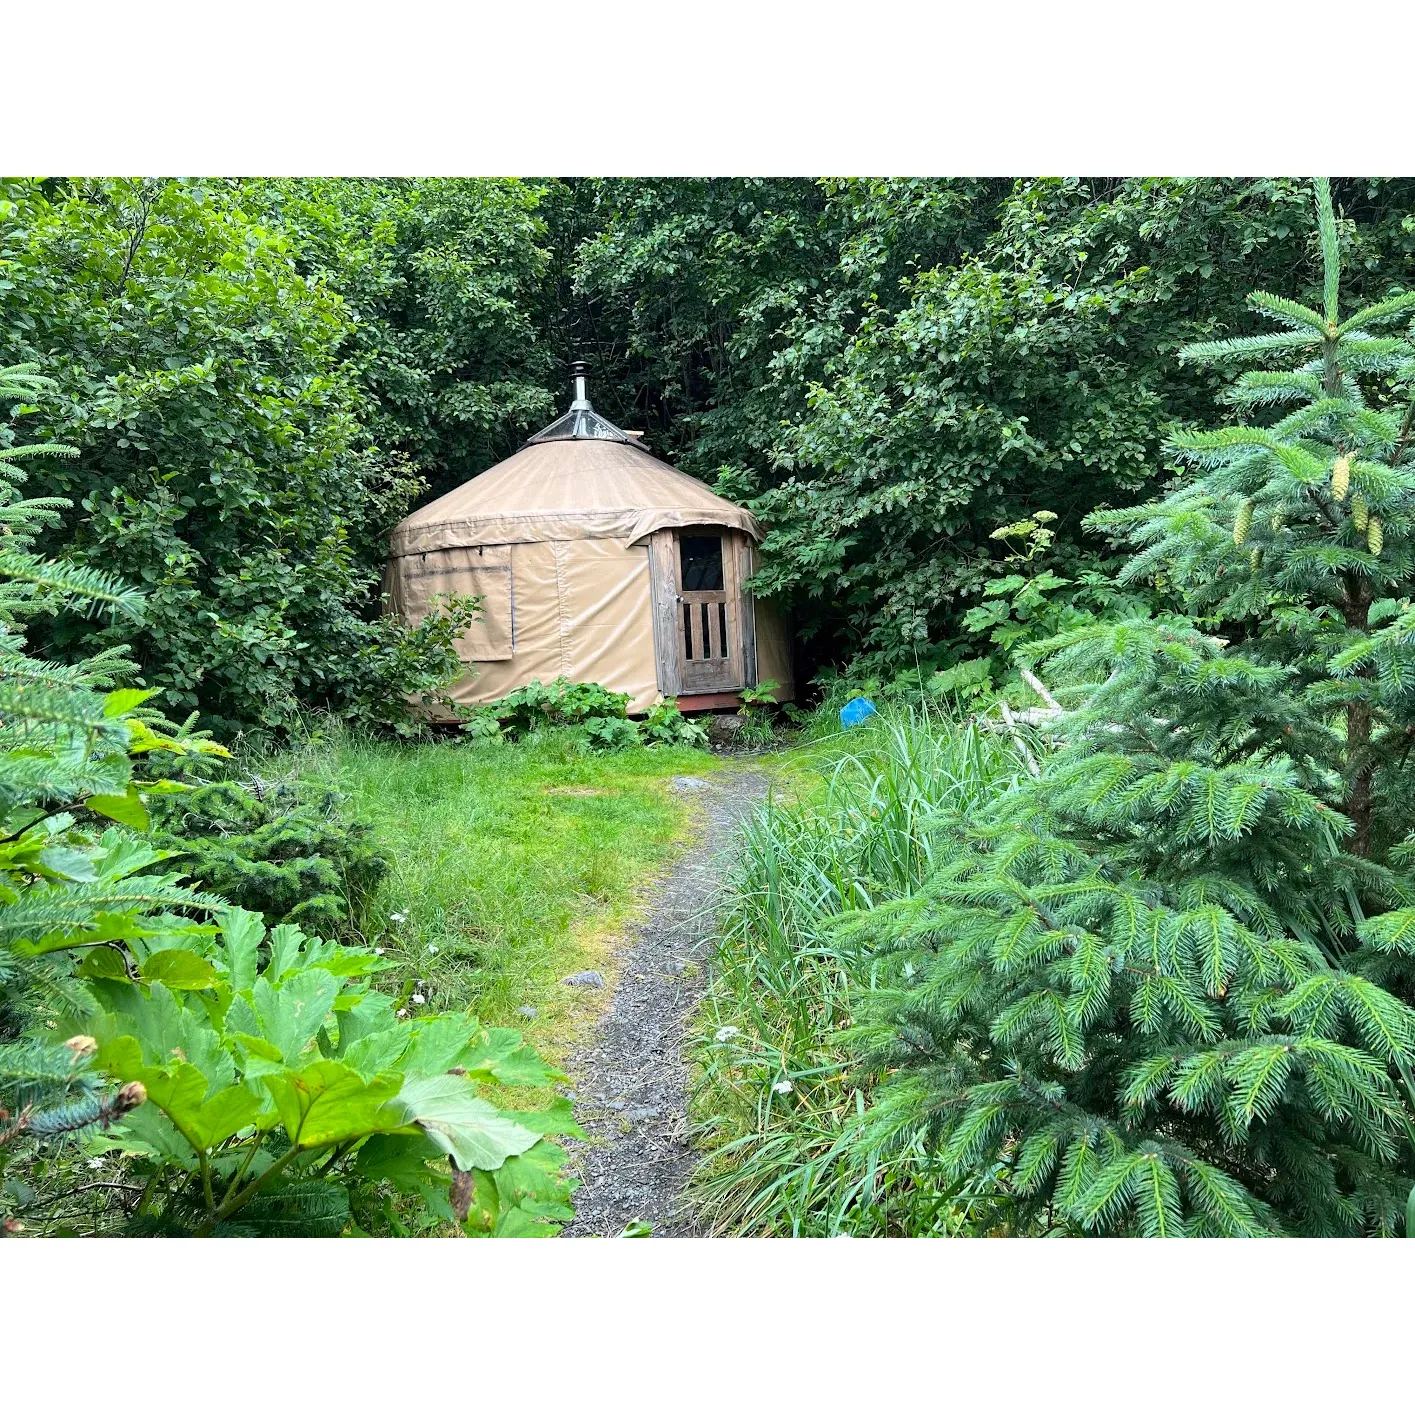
(776, 1096)
(511, 867)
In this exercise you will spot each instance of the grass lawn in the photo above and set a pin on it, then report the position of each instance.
(511, 866)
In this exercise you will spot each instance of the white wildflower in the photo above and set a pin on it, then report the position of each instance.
(380, 951)
(725, 1034)
(432, 948)
(783, 1087)
(419, 998)
(402, 1011)
(399, 918)
(96, 1162)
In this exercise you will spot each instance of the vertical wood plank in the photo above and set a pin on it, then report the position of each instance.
(667, 616)
(746, 609)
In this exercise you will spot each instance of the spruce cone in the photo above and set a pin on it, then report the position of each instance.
(1340, 477)
(129, 1097)
(1360, 512)
(1255, 558)
(1245, 519)
(1375, 536)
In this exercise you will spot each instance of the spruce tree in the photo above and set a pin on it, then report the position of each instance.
(1166, 987)
(1294, 540)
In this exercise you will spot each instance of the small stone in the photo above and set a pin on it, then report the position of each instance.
(588, 979)
(681, 784)
(645, 1112)
(724, 728)
(527, 1011)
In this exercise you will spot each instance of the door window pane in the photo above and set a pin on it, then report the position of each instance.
(701, 560)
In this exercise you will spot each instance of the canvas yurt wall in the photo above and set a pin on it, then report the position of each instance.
(596, 562)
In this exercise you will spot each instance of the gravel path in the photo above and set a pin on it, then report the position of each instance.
(630, 1084)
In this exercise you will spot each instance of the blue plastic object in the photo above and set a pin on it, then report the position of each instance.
(856, 711)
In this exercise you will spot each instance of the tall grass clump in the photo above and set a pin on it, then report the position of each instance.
(777, 1101)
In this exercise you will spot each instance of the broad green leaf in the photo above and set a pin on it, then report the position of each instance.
(147, 1131)
(437, 1045)
(290, 1016)
(371, 1014)
(126, 809)
(257, 1046)
(327, 1103)
(501, 1054)
(63, 862)
(378, 1051)
(536, 1178)
(285, 941)
(241, 935)
(226, 1113)
(179, 968)
(162, 1028)
(103, 963)
(180, 1090)
(402, 1161)
(518, 1223)
(122, 700)
(471, 1130)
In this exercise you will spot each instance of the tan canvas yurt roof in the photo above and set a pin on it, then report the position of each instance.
(569, 484)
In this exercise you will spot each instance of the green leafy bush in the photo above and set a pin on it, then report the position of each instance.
(267, 1063)
(609, 734)
(72, 753)
(222, 462)
(561, 703)
(759, 714)
(592, 714)
(1028, 603)
(284, 849)
(666, 726)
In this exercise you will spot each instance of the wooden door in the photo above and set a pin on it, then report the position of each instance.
(698, 610)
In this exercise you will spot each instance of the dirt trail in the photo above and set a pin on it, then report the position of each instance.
(630, 1083)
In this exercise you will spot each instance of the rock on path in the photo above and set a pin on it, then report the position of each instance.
(630, 1085)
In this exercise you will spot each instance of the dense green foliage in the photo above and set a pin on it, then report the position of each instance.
(282, 848)
(263, 375)
(1163, 986)
(276, 1078)
(443, 285)
(244, 1084)
(590, 713)
(887, 370)
(223, 462)
(72, 748)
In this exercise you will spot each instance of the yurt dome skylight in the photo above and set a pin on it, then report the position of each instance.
(581, 421)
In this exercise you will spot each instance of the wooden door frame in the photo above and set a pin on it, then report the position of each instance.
(737, 565)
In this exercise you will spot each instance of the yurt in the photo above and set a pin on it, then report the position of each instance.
(596, 562)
